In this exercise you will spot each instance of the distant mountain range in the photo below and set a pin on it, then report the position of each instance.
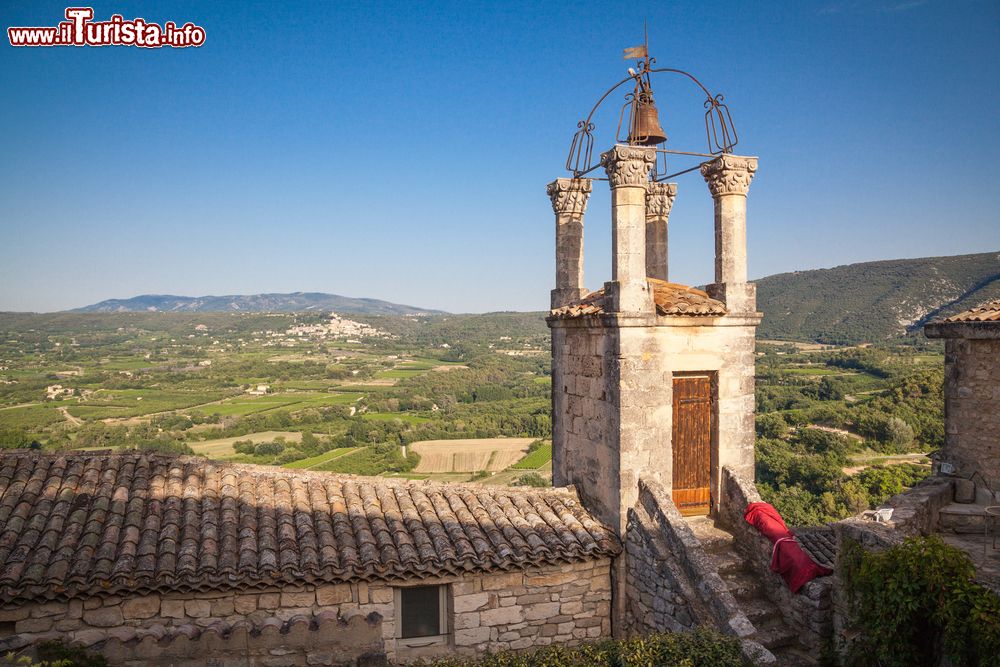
(866, 302)
(874, 301)
(253, 303)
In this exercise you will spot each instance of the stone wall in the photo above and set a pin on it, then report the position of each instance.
(972, 409)
(564, 604)
(342, 624)
(671, 584)
(658, 599)
(584, 419)
(810, 611)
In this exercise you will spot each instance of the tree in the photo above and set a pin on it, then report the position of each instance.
(830, 390)
(771, 426)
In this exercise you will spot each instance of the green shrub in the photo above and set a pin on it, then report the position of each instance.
(243, 446)
(532, 479)
(289, 455)
(165, 446)
(272, 448)
(54, 654)
(701, 648)
(917, 602)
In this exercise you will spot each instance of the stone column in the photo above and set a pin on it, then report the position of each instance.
(659, 201)
(628, 171)
(728, 178)
(569, 202)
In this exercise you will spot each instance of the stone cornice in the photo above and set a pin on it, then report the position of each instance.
(975, 330)
(570, 195)
(628, 166)
(729, 174)
(659, 200)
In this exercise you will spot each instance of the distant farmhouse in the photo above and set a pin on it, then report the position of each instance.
(54, 391)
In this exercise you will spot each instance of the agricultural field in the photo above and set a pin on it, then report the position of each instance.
(468, 456)
(119, 403)
(248, 405)
(536, 459)
(468, 396)
(318, 462)
(222, 448)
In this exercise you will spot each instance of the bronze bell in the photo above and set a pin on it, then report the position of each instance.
(646, 130)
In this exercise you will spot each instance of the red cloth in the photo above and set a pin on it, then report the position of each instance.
(767, 521)
(794, 565)
(788, 559)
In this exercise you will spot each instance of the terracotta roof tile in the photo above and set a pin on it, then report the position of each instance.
(819, 542)
(670, 299)
(987, 312)
(78, 524)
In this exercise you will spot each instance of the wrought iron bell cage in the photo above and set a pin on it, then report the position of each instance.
(639, 118)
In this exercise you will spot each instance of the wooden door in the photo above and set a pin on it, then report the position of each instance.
(692, 444)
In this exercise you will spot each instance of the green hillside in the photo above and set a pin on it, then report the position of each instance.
(873, 301)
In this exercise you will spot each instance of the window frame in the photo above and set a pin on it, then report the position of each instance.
(444, 617)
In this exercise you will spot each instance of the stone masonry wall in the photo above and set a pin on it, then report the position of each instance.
(972, 408)
(657, 599)
(690, 568)
(565, 604)
(612, 400)
(651, 357)
(342, 624)
(584, 419)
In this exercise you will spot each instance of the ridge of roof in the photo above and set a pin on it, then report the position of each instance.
(984, 312)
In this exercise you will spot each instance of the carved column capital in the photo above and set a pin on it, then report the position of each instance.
(570, 195)
(659, 200)
(628, 166)
(729, 174)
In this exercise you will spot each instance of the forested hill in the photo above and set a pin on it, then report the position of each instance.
(253, 303)
(874, 301)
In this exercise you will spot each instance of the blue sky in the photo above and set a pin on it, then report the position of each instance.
(401, 150)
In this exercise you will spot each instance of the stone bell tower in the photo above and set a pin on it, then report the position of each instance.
(650, 378)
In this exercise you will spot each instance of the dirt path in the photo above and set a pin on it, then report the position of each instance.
(889, 460)
(70, 418)
(19, 405)
(838, 431)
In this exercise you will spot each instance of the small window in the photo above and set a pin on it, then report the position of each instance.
(422, 611)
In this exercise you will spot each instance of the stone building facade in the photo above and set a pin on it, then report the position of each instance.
(972, 393)
(153, 560)
(621, 353)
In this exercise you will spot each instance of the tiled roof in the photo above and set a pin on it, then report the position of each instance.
(987, 312)
(819, 542)
(80, 524)
(670, 299)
